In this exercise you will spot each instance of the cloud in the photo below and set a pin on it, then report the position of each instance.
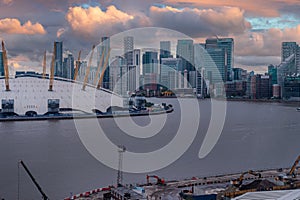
(92, 20)
(6, 2)
(14, 26)
(267, 8)
(266, 43)
(200, 22)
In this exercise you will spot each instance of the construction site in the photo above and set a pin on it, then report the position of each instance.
(282, 183)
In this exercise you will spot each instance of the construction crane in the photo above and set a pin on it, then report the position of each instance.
(159, 181)
(238, 182)
(121, 151)
(292, 170)
(6, 70)
(52, 69)
(103, 70)
(44, 66)
(34, 181)
(77, 66)
(88, 69)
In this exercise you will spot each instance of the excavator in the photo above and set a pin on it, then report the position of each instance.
(288, 177)
(292, 170)
(238, 182)
(159, 181)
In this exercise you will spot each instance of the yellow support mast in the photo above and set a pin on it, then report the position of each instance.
(44, 65)
(88, 69)
(52, 69)
(103, 70)
(77, 66)
(6, 70)
(98, 68)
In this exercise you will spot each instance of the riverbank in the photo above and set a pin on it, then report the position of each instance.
(85, 116)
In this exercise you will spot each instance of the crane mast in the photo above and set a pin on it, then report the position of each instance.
(291, 172)
(6, 70)
(33, 180)
(121, 150)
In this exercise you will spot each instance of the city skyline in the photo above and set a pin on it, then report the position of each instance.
(257, 28)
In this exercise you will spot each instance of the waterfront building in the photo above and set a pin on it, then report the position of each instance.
(284, 69)
(263, 87)
(29, 94)
(291, 88)
(272, 71)
(239, 74)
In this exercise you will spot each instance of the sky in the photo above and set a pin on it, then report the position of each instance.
(258, 27)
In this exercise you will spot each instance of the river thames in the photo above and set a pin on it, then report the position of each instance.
(255, 136)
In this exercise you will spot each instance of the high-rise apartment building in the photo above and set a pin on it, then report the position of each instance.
(128, 49)
(68, 67)
(165, 50)
(288, 49)
(150, 62)
(185, 51)
(58, 59)
(104, 48)
(225, 46)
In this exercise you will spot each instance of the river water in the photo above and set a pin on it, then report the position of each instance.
(255, 136)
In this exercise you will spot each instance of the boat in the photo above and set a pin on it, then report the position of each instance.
(191, 196)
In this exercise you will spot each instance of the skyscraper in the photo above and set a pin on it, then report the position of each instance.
(150, 62)
(168, 69)
(137, 64)
(185, 51)
(104, 48)
(1, 64)
(165, 49)
(288, 49)
(227, 49)
(58, 59)
(68, 67)
(128, 49)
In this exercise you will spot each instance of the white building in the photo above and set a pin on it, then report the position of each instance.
(31, 94)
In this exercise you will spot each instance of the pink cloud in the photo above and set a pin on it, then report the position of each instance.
(92, 19)
(269, 8)
(14, 26)
(201, 22)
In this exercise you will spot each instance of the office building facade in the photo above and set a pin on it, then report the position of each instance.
(225, 47)
(58, 59)
(185, 51)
